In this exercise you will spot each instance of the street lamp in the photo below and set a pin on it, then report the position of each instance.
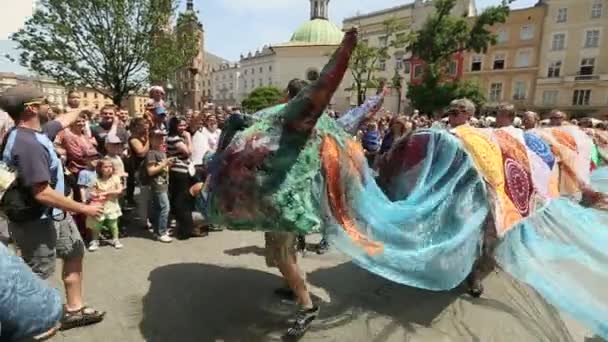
(397, 85)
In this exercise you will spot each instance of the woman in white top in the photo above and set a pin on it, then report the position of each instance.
(205, 139)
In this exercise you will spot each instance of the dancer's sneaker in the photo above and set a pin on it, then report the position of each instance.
(116, 243)
(303, 321)
(323, 247)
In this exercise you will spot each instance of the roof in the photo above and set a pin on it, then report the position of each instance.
(317, 32)
(380, 12)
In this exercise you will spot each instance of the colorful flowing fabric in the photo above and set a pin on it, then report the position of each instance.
(422, 222)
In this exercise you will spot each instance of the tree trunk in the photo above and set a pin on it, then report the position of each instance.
(117, 99)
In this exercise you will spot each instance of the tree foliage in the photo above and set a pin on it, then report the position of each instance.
(103, 44)
(440, 38)
(366, 59)
(262, 97)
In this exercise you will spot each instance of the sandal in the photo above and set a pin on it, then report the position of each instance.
(47, 334)
(80, 318)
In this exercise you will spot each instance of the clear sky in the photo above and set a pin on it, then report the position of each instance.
(238, 26)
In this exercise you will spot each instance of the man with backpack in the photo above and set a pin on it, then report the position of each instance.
(37, 206)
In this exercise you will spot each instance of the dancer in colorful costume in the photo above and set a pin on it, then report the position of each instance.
(297, 170)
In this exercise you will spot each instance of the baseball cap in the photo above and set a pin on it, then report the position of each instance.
(113, 139)
(16, 99)
(159, 110)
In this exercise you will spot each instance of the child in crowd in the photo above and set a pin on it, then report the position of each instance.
(115, 148)
(86, 180)
(157, 169)
(106, 189)
(371, 141)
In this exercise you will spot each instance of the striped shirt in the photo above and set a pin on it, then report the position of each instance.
(181, 163)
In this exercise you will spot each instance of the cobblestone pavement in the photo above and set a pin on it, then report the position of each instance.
(219, 289)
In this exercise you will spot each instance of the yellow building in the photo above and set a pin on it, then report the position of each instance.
(372, 31)
(507, 72)
(92, 98)
(573, 74)
(135, 104)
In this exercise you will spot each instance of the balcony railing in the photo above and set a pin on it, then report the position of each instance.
(586, 77)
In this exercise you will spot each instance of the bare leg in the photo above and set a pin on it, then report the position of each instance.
(72, 280)
(486, 263)
(293, 276)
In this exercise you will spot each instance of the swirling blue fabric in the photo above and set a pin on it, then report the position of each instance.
(561, 252)
(431, 234)
(28, 305)
(599, 179)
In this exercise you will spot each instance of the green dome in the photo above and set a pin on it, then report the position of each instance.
(318, 32)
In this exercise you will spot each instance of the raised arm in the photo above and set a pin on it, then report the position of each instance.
(352, 119)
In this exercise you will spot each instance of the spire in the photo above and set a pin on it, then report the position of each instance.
(190, 5)
(319, 9)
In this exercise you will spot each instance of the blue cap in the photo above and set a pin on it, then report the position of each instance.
(159, 110)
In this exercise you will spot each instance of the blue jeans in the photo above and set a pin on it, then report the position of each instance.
(159, 215)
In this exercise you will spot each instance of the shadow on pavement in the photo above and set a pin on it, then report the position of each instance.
(255, 250)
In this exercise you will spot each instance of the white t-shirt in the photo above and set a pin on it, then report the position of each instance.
(203, 142)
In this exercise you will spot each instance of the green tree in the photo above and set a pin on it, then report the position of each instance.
(173, 49)
(442, 36)
(106, 45)
(262, 97)
(366, 59)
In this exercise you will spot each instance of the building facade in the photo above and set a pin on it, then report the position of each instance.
(573, 72)
(53, 91)
(225, 81)
(508, 70)
(91, 98)
(302, 57)
(372, 31)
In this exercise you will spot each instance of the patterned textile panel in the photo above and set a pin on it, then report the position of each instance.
(526, 169)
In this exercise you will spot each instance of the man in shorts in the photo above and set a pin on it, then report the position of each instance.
(281, 253)
(29, 149)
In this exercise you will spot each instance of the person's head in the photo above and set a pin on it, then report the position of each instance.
(157, 93)
(505, 115)
(80, 124)
(371, 126)
(157, 139)
(114, 146)
(586, 123)
(460, 111)
(74, 99)
(105, 168)
(400, 127)
(211, 123)
(177, 126)
(530, 120)
(123, 115)
(107, 116)
(557, 118)
(294, 87)
(159, 114)
(140, 127)
(25, 104)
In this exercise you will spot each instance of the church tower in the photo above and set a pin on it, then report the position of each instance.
(319, 9)
(189, 80)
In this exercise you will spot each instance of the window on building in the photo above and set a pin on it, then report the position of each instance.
(382, 64)
(559, 41)
(269, 80)
(270, 68)
(519, 91)
(252, 71)
(587, 66)
(261, 70)
(495, 92)
(418, 71)
(94, 95)
(476, 63)
(245, 84)
(550, 97)
(596, 9)
(383, 41)
(407, 67)
(526, 32)
(499, 61)
(84, 94)
(245, 72)
(502, 36)
(260, 82)
(399, 60)
(523, 58)
(452, 68)
(554, 69)
(581, 97)
(562, 15)
(592, 38)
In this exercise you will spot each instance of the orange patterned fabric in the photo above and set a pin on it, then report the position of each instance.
(330, 156)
